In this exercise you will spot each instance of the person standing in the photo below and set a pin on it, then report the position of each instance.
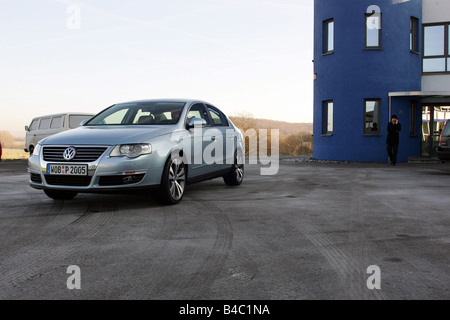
(394, 127)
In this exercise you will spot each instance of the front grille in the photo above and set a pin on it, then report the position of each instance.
(70, 181)
(36, 178)
(120, 180)
(83, 154)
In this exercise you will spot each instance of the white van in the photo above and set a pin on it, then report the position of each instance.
(42, 127)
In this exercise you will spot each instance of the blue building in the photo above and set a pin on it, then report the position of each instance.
(373, 59)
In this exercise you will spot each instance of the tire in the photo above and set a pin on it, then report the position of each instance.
(60, 194)
(173, 182)
(236, 175)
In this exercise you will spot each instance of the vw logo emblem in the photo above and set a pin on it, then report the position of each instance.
(69, 153)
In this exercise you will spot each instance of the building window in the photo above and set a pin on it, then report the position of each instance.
(436, 48)
(372, 116)
(414, 35)
(412, 119)
(373, 31)
(327, 117)
(328, 36)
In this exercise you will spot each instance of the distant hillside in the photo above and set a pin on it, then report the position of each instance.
(286, 128)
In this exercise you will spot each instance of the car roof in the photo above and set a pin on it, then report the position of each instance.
(164, 100)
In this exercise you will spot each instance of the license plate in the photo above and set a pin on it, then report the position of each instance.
(67, 169)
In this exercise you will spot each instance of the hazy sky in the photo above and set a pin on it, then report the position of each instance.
(240, 55)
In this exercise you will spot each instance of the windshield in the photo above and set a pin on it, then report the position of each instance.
(446, 129)
(142, 113)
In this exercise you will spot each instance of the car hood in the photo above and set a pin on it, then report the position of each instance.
(107, 135)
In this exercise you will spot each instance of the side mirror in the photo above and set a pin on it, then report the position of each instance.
(27, 128)
(83, 122)
(196, 123)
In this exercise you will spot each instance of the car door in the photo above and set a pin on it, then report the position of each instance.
(223, 137)
(200, 139)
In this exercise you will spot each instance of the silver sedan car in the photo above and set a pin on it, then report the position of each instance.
(141, 144)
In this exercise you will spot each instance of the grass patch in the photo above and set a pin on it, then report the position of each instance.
(14, 154)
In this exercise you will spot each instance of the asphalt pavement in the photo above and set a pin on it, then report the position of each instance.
(309, 232)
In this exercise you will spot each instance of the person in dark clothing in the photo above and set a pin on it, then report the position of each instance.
(392, 141)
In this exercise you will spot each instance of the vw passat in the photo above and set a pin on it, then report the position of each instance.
(140, 144)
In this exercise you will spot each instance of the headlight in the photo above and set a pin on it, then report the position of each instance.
(131, 150)
(37, 150)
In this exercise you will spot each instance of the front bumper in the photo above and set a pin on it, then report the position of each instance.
(104, 174)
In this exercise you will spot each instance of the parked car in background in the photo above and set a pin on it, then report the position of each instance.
(141, 144)
(443, 150)
(42, 127)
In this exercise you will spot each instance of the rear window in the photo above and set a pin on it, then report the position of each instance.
(75, 120)
(56, 123)
(34, 125)
(446, 131)
(44, 124)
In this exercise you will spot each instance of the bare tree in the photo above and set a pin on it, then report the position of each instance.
(244, 121)
(297, 144)
(247, 124)
(293, 144)
(7, 140)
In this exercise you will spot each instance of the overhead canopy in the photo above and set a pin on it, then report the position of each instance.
(438, 97)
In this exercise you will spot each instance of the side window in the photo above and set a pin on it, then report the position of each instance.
(56, 123)
(446, 131)
(328, 36)
(198, 111)
(414, 35)
(373, 31)
(217, 117)
(327, 117)
(436, 50)
(34, 125)
(45, 124)
(75, 121)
